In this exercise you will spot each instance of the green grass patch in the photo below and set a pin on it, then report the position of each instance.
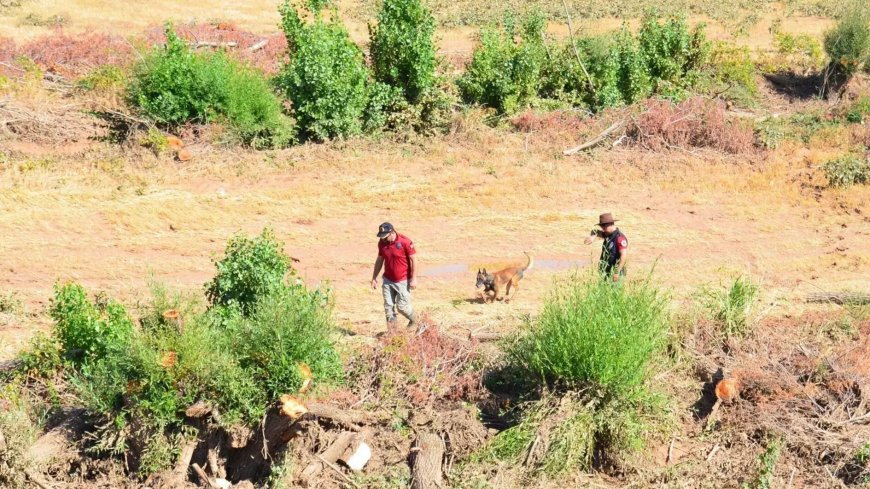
(731, 305)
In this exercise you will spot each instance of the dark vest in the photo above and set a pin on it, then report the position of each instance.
(610, 254)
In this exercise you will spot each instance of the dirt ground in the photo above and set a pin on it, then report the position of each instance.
(479, 197)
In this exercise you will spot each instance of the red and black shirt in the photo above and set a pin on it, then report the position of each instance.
(611, 250)
(396, 256)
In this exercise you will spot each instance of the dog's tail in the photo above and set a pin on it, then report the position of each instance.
(531, 262)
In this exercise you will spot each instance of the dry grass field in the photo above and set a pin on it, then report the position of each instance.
(118, 217)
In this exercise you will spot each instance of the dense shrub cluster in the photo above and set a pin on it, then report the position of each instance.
(174, 86)
(238, 356)
(847, 170)
(510, 69)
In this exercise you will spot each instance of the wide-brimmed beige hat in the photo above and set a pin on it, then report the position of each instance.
(606, 218)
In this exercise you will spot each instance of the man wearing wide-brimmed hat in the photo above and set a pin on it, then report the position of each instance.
(613, 250)
(396, 256)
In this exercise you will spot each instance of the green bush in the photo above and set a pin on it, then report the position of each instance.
(505, 73)
(103, 79)
(591, 333)
(290, 326)
(847, 170)
(326, 77)
(674, 54)
(85, 330)
(732, 305)
(595, 344)
(730, 72)
(175, 86)
(249, 270)
(633, 78)
(858, 111)
(848, 43)
(402, 49)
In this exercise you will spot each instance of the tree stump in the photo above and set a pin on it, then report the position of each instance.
(426, 456)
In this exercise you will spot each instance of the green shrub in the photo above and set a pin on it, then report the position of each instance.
(597, 344)
(174, 86)
(847, 170)
(770, 132)
(858, 111)
(84, 330)
(249, 270)
(505, 73)
(848, 43)
(732, 305)
(591, 333)
(290, 326)
(326, 77)
(674, 54)
(730, 71)
(633, 79)
(44, 357)
(402, 49)
(103, 79)
(10, 304)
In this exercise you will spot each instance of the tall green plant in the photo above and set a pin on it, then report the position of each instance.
(732, 305)
(326, 77)
(848, 42)
(402, 47)
(591, 333)
(674, 53)
(250, 269)
(505, 73)
(174, 86)
(86, 331)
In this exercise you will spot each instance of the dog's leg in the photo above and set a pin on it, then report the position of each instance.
(495, 293)
(507, 291)
(516, 288)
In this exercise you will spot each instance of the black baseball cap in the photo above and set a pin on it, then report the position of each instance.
(385, 229)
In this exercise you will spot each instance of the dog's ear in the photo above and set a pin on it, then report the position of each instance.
(484, 270)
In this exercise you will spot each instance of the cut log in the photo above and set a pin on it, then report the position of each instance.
(330, 455)
(184, 457)
(359, 451)
(252, 461)
(427, 455)
(841, 298)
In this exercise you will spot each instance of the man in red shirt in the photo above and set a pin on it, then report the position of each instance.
(396, 255)
(614, 250)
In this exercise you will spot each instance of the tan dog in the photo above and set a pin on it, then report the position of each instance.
(506, 279)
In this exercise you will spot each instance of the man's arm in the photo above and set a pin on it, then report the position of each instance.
(378, 264)
(412, 268)
(620, 265)
(594, 234)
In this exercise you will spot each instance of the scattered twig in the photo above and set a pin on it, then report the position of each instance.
(338, 471)
(670, 451)
(712, 452)
(791, 478)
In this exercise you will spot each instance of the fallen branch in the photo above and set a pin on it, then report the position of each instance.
(202, 475)
(213, 44)
(330, 455)
(840, 298)
(594, 141)
(712, 452)
(258, 46)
